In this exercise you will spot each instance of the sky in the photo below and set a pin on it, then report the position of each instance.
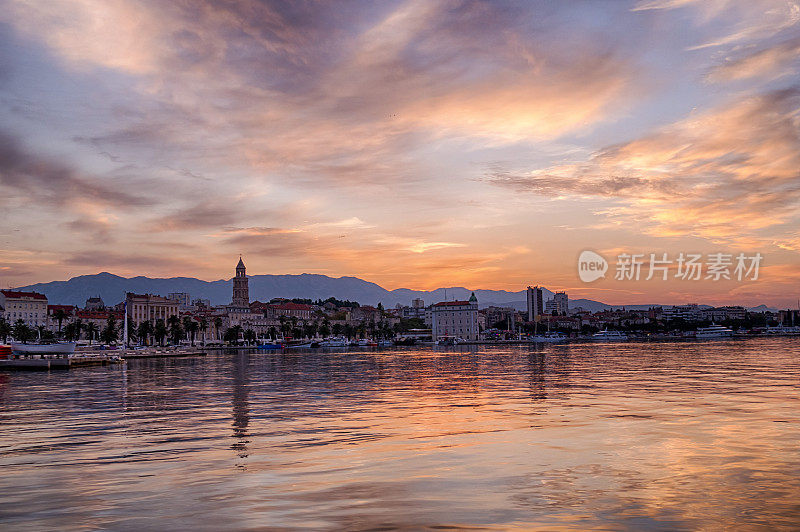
(414, 144)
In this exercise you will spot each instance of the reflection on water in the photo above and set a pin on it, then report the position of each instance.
(627, 436)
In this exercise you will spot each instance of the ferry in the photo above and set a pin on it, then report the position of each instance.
(609, 336)
(713, 331)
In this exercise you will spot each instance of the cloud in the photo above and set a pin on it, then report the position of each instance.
(723, 174)
(764, 63)
(47, 180)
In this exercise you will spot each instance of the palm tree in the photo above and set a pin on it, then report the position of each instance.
(110, 333)
(272, 332)
(22, 333)
(250, 335)
(160, 331)
(144, 331)
(78, 328)
(203, 325)
(218, 326)
(193, 328)
(91, 329)
(59, 315)
(175, 329)
(5, 329)
(71, 331)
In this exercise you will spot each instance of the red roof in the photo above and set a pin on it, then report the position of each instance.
(451, 303)
(15, 294)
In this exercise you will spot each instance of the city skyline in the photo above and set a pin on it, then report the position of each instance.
(410, 144)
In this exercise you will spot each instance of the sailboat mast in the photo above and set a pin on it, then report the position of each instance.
(125, 323)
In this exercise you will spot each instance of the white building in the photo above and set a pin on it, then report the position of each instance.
(182, 298)
(30, 307)
(147, 307)
(458, 319)
(558, 305)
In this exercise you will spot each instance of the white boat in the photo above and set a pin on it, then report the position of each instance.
(609, 336)
(549, 338)
(385, 343)
(60, 348)
(713, 331)
(336, 341)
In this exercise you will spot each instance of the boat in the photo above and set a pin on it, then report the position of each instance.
(713, 331)
(59, 348)
(549, 338)
(365, 342)
(385, 343)
(270, 346)
(609, 336)
(336, 341)
(447, 340)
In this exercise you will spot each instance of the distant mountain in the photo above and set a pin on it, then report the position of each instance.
(112, 288)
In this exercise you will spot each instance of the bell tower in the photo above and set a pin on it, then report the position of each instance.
(241, 292)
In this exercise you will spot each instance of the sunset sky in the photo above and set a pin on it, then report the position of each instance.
(413, 144)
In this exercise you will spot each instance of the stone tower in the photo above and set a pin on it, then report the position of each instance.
(241, 293)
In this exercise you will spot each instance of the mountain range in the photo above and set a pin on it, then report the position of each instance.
(112, 288)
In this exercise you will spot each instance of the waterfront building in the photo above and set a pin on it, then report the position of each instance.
(53, 310)
(289, 309)
(535, 303)
(182, 298)
(149, 307)
(30, 307)
(789, 318)
(690, 312)
(94, 303)
(457, 319)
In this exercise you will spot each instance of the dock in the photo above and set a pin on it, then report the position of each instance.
(45, 364)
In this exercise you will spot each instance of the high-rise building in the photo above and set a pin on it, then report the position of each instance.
(417, 303)
(561, 302)
(535, 303)
(241, 292)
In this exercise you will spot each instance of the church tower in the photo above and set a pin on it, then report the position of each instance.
(241, 293)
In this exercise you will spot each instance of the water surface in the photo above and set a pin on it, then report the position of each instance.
(660, 436)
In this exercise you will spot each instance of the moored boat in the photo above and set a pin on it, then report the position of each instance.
(60, 348)
(609, 336)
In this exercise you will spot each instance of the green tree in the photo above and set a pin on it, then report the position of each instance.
(110, 334)
(91, 329)
(78, 328)
(44, 334)
(160, 331)
(250, 335)
(192, 328)
(272, 332)
(325, 328)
